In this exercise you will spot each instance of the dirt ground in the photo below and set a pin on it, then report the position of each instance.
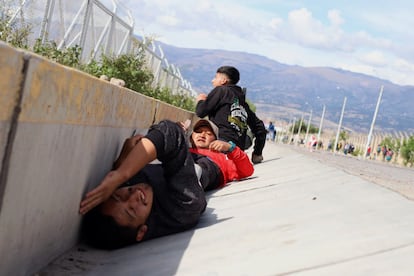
(391, 176)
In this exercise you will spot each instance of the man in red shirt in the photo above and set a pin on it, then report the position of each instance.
(232, 162)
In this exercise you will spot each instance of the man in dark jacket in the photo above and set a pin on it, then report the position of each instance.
(226, 106)
(139, 201)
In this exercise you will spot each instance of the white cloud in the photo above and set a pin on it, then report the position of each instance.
(360, 37)
(403, 65)
(308, 31)
(359, 68)
(169, 20)
(374, 58)
(203, 6)
(335, 18)
(275, 24)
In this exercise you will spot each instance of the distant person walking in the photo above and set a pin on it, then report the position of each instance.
(389, 154)
(271, 131)
(384, 152)
(312, 143)
(368, 153)
(377, 152)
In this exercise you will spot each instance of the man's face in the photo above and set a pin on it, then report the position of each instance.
(130, 206)
(203, 136)
(219, 79)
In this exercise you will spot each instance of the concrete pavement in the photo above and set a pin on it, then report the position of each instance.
(295, 216)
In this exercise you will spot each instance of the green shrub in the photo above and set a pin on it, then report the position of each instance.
(131, 68)
(128, 67)
(303, 127)
(357, 152)
(178, 99)
(391, 143)
(67, 56)
(15, 34)
(407, 151)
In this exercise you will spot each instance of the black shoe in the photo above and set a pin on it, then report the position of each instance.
(256, 159)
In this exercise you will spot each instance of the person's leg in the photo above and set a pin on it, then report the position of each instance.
(259, 143)
(210, 174)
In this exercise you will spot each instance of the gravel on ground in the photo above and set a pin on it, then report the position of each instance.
(392, 176)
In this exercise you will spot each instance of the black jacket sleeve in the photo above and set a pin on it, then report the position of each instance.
(209, 106)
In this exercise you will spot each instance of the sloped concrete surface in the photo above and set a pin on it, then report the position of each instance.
(295, 216)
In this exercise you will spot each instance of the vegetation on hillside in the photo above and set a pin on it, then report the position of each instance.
(68, 56)
(404, 149)
(15, 34)
(304, 127)
(407, 151)
(391, 143)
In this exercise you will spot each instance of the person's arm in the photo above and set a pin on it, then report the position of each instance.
(141, 154)
(242, 163)
(128, 145)
(207, 106)
(201, 97)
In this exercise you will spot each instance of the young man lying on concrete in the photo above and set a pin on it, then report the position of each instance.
(138, 201)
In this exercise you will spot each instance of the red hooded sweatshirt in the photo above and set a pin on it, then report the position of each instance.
(234, 165)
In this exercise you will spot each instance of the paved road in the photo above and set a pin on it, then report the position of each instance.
(301, 213)
(394, 177)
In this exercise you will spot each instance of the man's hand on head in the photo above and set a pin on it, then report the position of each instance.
(101, 192)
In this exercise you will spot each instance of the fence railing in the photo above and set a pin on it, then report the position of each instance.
(97, 27)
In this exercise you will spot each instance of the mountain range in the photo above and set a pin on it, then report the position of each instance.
(283, 92)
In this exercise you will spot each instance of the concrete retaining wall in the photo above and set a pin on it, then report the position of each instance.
(60, 130)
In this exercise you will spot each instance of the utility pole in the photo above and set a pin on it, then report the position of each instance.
(307, 128)
(293, 130)
(339, 126)
(373, 121)
(300, 126)
(321, 123)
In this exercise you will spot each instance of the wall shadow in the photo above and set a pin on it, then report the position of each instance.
(159, 256)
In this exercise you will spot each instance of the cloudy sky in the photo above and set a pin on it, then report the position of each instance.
(371, 37)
